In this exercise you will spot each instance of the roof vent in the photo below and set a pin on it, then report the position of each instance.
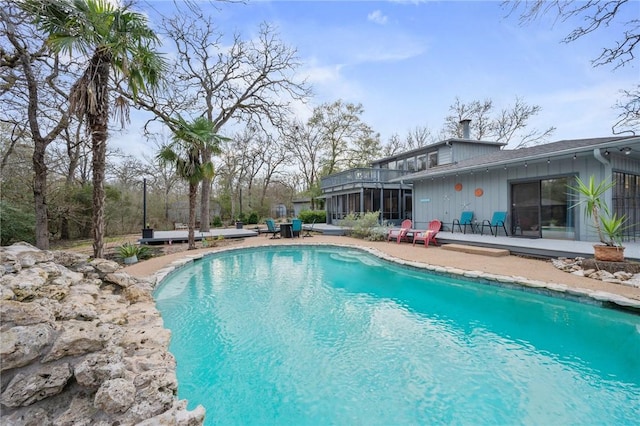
(466, 131)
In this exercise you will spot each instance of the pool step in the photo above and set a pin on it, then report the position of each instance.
(484, 251)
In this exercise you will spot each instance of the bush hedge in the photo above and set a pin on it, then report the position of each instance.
(311, 216)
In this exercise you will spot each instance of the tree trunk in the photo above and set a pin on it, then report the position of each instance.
(193, 197)
(97, 120)
(204, 205)
(40, 195)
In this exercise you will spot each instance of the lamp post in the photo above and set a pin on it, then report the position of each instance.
(146, 231)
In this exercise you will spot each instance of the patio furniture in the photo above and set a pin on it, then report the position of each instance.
(465, 220)
(399, 234)
(286, 230)
(309, 229)
(497, 220)
(296, 227)
(272, 229)
(429, 234)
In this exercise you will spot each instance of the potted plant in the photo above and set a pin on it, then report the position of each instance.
(609, 226)
(129, 253)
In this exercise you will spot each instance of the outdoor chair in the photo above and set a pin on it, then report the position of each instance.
(497, 220)
(465, 220)
(400, 234)
(309, 229)
(296, 227)
(429, 234)
(272, 229)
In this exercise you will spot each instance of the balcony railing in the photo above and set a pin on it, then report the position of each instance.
(361, 176)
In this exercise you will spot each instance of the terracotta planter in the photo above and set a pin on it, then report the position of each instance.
(608, 253)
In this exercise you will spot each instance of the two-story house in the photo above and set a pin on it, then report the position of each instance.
(443, 179)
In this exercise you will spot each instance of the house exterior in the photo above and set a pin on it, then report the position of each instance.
(382, 186)
(531, 184)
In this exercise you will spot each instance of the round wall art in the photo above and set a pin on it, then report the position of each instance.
(458, 187)
(479, 192)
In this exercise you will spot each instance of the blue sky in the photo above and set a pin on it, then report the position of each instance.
(407, 61)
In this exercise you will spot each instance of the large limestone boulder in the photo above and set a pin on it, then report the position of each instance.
(81, 343)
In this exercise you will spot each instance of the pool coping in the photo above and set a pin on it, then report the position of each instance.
(552, 289)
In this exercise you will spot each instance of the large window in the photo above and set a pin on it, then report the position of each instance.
(422, 162)
(433, 159)
(626, 201)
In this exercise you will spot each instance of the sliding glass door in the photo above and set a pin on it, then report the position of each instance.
(541, 208)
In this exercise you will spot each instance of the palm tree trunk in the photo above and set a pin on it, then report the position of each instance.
(193, 198)
(205, 195)
(204, 205)
(97, 120)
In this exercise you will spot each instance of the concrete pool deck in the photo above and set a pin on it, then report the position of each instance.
(509, 266)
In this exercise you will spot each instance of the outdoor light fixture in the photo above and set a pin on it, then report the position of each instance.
(575, 156)
(525, 165)
(606, 152)
(548, 161)
(626, 150)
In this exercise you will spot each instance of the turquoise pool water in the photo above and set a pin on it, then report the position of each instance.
(333, 336)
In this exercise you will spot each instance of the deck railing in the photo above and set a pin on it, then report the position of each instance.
(361, 175)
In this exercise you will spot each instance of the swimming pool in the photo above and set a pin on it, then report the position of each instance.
(326, 335)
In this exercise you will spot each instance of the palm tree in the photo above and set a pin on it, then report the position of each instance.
(189, 140)
(113, 38)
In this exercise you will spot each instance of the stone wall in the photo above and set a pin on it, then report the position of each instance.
(81, 343)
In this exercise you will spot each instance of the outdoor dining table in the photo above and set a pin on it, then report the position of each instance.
(286, 230)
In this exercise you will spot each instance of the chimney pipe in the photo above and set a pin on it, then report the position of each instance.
(466, 131)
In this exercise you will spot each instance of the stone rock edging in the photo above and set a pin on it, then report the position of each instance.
(576, 267)
(585, 294)
(81, 342)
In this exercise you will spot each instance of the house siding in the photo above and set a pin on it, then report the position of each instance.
(437, 198)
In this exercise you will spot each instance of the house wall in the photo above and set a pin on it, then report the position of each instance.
(459, 151)
(438, 198)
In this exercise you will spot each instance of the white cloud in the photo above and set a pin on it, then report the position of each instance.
(377, 17)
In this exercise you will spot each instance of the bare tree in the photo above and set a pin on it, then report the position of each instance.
(305, 143)
(31, 83)
(250, 81)
(476, 111)
(418, 137)
(629, 117)
(271, 161)
(508, 125)
(595, 15)
(393, 146)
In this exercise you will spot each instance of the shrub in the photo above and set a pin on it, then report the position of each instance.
(16, 225)
(129, 250)
(253, 218)
(309, 216)
(217, 222)
(365, 226)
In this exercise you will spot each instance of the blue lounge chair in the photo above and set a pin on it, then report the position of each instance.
(272, 229)
(498, 219)
(465, 220)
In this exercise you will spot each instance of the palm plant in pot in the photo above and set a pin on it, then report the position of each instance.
(129, 253)
(609, 226)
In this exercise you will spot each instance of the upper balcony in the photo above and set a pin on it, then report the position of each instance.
(361, 177)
